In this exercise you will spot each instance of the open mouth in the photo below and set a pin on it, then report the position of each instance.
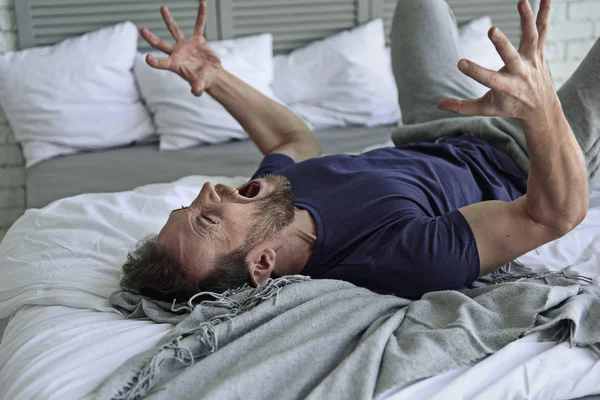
(250, 189)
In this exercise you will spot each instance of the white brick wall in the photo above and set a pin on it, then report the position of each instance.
(574, 27)
(12, 170)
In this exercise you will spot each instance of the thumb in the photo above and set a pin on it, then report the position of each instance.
(197, 88)
(197, 91)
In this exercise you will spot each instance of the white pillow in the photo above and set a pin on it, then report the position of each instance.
(184, 120)
(77, 95)
(345, 79)
(477, 47)
(70, 253)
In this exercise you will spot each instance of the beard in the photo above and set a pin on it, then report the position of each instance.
(273, 213)
(270, 214)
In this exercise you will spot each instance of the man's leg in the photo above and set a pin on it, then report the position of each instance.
(425, 53)
(580, 99)
(426, 71)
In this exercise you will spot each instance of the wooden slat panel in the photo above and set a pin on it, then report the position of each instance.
(363, 11)
(225, 19)
(296, 19)
(267, 4)
(51, 21)
(131, 8)
(295, 23)
(504, 14)
(102, 18)
(269, 14)
(280, 30)
(24, 31)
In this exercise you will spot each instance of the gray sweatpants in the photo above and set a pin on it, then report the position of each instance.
(425, 54)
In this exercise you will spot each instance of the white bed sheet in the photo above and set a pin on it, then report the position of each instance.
(61, 352)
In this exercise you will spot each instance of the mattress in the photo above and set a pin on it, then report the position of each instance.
(128, 167)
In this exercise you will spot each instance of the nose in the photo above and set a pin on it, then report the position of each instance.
(207, 195)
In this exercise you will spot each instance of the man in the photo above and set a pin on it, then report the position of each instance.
(427, 215)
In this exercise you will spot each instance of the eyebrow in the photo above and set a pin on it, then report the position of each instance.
(185, 208)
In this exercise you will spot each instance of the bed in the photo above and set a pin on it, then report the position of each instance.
(62, 343)
(55, 345)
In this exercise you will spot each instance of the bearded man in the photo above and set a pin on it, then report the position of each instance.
(426, 215)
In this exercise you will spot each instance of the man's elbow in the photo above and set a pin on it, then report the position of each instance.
(567, 221)
(308, 147)
(578, 218)
(562, 217)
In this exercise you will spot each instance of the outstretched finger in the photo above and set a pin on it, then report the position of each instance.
(508, 53)
(158, 62)
(171, 24)
(156, 42)
(201, 19)
(465, 107)
(492, 79)
(542, 22)
(529, 38)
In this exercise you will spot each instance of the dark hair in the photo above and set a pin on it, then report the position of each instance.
(150, 272)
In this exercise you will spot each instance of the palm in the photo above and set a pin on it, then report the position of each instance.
(497, 100)
(191, 58)
(524, 84)
(195, 61)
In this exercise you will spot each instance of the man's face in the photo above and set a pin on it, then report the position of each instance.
(221, 219)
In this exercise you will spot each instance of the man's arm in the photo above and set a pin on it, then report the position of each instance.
(557, 192)
(272, 127)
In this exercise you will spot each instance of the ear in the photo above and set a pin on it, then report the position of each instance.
(261, 262)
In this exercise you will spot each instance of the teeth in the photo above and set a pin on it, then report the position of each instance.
(250, 190)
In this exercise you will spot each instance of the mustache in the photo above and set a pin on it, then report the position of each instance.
(229, 193)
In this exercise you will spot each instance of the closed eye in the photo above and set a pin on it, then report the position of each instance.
(205, 221)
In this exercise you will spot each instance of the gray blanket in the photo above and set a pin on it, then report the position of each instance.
(299, 338)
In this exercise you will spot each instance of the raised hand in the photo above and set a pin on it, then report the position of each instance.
(523, 88)
(191, 58)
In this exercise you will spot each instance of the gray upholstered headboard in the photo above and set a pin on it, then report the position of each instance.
(293, 23)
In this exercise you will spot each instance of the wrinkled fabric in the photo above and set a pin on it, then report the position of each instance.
(293, 337)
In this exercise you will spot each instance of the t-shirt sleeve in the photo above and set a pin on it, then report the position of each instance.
(420, 254)
(272, 163)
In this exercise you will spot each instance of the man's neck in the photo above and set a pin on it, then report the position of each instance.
(298, 242)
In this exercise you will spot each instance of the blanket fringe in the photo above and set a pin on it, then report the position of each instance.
(515, 271)
(234, 301)
(566, 330)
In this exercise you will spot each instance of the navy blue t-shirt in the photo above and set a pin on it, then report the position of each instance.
(388, 219)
